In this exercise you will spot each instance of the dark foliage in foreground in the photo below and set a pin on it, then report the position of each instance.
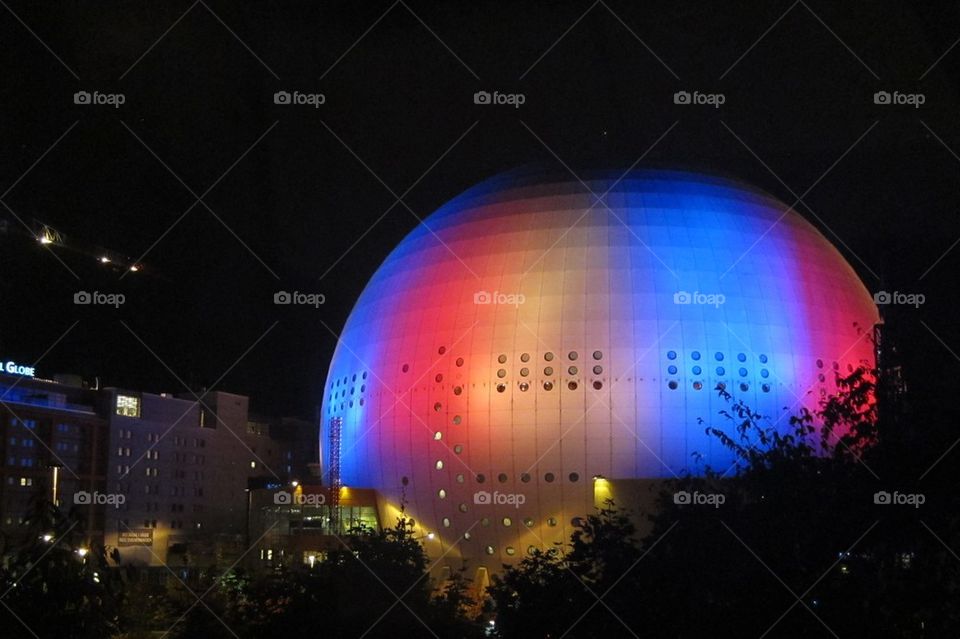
(797, 548)
(376, 585)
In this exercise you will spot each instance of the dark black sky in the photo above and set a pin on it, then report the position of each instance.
(399, 98)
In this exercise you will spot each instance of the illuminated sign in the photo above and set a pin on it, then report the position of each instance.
(17, 369)
(135, 537)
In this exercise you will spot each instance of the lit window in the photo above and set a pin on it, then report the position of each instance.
(128, 406)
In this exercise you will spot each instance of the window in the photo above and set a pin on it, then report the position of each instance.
(128, 406)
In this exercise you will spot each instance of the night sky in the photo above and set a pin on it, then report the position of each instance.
(287, 190)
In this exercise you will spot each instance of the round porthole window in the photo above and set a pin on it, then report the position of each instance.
(672, 385)
(548, 356)
(671, 354)
(502, 359)
(525, 357)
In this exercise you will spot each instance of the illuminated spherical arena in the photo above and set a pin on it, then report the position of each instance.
(530, 336)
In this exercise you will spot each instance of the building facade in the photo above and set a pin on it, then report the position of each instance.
(531, 337)
(54, 446)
